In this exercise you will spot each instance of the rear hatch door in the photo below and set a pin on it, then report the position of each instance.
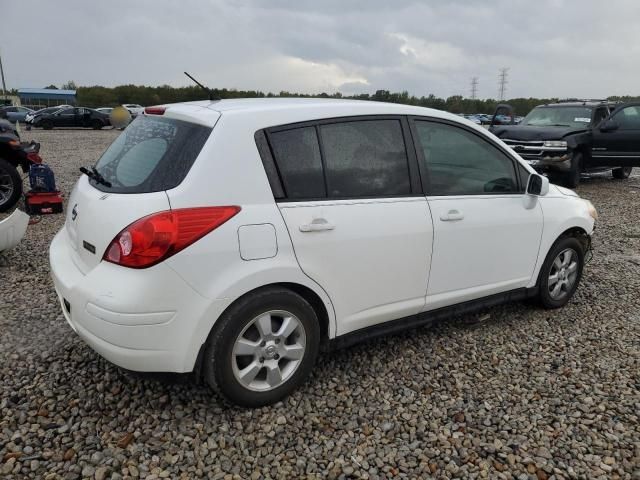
(152, 155)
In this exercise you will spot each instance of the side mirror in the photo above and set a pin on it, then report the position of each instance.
(609, 125)
(537, 185)
(502, 110)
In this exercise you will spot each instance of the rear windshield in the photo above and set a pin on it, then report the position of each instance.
(152, 154)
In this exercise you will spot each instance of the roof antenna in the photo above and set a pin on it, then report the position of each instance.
(212, 96)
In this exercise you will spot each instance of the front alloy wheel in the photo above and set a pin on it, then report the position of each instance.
(563, 274)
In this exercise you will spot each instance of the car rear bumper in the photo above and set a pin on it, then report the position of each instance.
(142, 320)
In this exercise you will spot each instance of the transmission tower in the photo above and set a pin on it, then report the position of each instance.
(502, 82)
(474, 87)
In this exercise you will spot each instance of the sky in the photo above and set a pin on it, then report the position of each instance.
(552, 48)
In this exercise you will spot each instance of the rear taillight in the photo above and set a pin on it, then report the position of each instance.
(154, 110)
(33, 157)
(156, 237)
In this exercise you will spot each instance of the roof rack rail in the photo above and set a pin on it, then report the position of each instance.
(584, 100)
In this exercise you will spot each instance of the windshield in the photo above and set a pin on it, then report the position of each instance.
(152, 154)
(558, 117)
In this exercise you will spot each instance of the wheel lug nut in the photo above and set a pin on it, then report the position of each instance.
(261, 359)
(277, 340)
(276, 356)
(263, 343)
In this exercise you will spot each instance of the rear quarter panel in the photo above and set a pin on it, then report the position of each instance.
(229, 171)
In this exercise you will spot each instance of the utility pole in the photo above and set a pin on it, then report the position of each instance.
(4, 86)
(502, 83)
(474, 87)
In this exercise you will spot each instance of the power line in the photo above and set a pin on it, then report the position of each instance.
(502, 82)
(474, 88)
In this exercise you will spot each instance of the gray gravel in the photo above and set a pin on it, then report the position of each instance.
(512, 392)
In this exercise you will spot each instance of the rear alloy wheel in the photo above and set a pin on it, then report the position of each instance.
(621, 173)
(262, 348)
(571, 179)
(10, 186)
(561, 272)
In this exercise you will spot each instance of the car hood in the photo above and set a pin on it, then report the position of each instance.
(564, 191)
(525, 132)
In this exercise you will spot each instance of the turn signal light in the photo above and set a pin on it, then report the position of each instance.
(157, 237)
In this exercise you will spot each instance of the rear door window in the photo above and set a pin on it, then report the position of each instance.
(298, 156)
(152, 154)
(365, 159)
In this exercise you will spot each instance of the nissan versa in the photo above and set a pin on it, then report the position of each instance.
(237, 238)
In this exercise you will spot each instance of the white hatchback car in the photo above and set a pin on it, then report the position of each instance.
(236, 238)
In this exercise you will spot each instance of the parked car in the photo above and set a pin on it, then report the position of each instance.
(15, 114)
(72, 117)
(30, 116)
(134, 109)
(105, 110)
(362, 219)
(568, 138)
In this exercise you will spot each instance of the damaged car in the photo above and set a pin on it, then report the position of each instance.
(566, 139)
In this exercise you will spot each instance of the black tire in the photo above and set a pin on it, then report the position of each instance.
(10, 185)
(219, 361)
(563, 244)
(571, 179)
(46, 124)
(96, 124)
(621, 173)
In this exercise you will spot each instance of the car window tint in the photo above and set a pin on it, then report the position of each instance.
(151, 155)
(523, 173)
(68, 111)
(601, 114)
(459, 162)
(628, 118)
(365, 158)
(297, 155)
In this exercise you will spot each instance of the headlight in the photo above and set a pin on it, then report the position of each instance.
(591, 209)
(555, 143)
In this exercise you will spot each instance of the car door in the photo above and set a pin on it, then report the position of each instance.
(486, 232)
(359, 223)
(616, 141)
(64, 118)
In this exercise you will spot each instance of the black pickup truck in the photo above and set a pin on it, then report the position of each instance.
(568, 138)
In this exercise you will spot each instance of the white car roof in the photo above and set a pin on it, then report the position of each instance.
(276, 111)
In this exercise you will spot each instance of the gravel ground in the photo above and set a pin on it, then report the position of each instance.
(512, 392)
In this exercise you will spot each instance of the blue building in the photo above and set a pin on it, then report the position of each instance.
(46, 97)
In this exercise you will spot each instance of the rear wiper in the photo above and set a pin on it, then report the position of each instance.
(94, 174)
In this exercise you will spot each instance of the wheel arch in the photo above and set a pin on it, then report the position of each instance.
(311, 296)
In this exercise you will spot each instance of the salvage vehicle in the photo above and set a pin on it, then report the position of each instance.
(30, 116)
(14, 155)
(81, 117)
(568, 138)
(236, 238)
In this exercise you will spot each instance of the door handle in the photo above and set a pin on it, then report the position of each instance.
(452, 216)
(317, 225)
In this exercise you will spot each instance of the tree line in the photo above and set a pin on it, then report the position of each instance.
(99, 96)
